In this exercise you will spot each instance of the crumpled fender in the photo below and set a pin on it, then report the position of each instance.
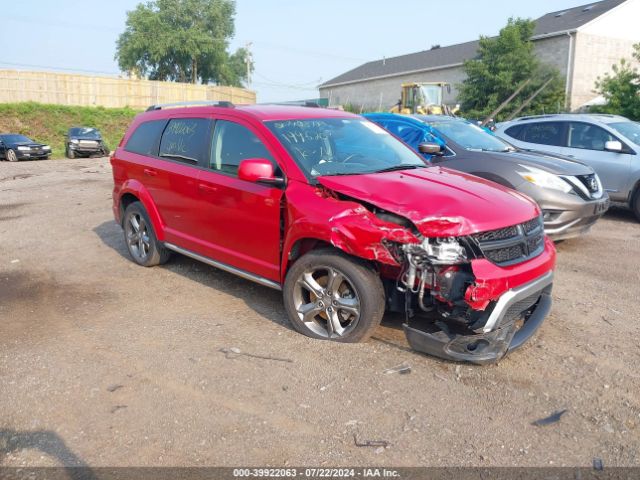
(136, 188)
(346, 225)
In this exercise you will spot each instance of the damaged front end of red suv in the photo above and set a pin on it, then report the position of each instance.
(471, 290)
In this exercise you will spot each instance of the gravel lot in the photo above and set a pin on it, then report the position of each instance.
(105, 363)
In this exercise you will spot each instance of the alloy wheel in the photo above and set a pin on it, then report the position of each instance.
(326, 302)
(138, 239)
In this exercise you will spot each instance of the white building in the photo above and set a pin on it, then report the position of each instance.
(582, 42)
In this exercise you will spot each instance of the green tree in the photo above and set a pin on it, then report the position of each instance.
(621, 89)
(183, 41)
(503, 63)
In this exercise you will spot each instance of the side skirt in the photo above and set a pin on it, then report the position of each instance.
(227, 268)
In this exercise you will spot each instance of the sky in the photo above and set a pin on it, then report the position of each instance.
(296, 44)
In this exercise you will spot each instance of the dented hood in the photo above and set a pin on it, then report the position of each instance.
(439, 201)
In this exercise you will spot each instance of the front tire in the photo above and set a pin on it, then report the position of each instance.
(70, 153)
(141, 240)
(635, 204)
(11, 156)
(330, 296)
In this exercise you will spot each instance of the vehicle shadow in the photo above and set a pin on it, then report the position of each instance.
(265, 301)
(49, 443)
(621, 214)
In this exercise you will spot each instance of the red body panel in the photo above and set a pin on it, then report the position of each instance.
(440, 202)
(254, 227)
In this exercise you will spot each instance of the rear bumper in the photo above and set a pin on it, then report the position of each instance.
(501, 332)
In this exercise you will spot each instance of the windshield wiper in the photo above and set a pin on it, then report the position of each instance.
(399, 167)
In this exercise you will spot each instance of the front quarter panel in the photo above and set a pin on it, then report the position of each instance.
(313, 213)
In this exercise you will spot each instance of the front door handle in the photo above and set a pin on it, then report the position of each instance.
(203, 187)
(150, 172)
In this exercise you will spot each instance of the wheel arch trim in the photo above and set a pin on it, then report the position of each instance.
(137, 189)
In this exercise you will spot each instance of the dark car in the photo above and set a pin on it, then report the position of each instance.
(85, 142)
(569, 193)
(14, 147)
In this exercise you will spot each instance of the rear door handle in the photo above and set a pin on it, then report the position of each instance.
(203, 187)
(150, 172)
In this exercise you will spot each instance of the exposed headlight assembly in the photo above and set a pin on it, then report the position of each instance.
(74, 140)
(545, 179)
(439, 251)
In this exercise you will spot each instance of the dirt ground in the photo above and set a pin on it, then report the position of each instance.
(105, 363)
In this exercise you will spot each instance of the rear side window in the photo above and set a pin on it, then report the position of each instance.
(186, 140)
(233, 143)
(544, 133)
(144, 140)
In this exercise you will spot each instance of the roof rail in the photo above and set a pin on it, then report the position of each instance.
(531, 117)
(197, 103)
(304, 103)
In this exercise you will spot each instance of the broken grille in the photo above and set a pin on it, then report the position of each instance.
(514, 244)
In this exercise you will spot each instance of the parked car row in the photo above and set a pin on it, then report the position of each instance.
(79, 142)
(610, 144)
(569, 193)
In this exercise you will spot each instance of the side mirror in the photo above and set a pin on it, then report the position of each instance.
(613, 146)
(430, 148)
(259, 170)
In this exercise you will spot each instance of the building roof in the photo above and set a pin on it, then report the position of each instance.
(554, 23)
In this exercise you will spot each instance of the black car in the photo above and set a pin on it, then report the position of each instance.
(14, 147)
(84, 142)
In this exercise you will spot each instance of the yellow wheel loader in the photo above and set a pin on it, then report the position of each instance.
(424, 98)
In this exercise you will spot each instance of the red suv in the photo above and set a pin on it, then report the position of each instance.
(343, 218)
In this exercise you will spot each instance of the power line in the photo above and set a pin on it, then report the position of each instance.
(49, 67)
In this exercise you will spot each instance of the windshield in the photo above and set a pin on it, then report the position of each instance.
(84, 132)
(432, 94)
(343, 146)
(631, 130)
(469, 136)
(16, 139)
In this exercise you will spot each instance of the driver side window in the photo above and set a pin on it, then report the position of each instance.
(589, 137)
(233, 143)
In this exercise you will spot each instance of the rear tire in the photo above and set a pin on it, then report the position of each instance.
(140, 238)
(11, 156)
(331, 296)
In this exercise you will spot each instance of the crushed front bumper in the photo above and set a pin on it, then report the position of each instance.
(501, 332)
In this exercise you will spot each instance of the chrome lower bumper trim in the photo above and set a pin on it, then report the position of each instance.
(513, 296)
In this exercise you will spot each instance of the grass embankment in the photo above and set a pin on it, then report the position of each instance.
(49, 123)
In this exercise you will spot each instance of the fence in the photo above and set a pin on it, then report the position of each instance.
(71, 89)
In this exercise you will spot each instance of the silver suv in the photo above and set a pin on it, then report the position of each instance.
(608, 143)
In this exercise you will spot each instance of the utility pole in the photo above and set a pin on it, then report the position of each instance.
(528, 100)
(248, 61)
(505, 103)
